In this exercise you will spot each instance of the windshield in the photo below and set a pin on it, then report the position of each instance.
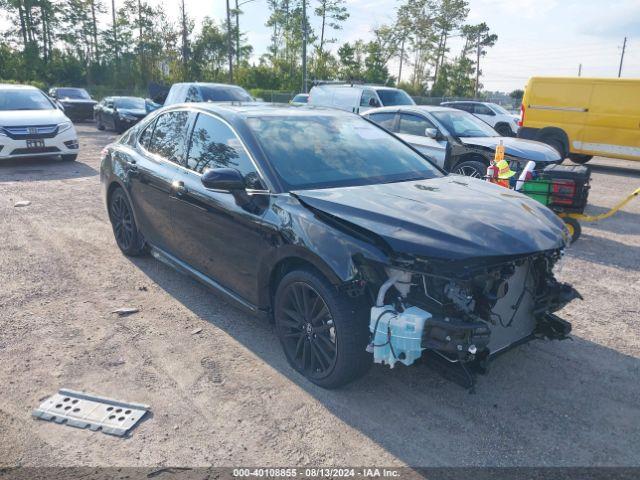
(394, 97)
(130, 103)
(78, 93)
(224, 94)
(325, 150)
(498, 109)
(24, 100)
(463, 124)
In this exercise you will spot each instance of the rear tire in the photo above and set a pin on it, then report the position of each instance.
(125, 230)
(580, 159)
(323, 332)
(471, 168)
(558, 145)
(504, 130)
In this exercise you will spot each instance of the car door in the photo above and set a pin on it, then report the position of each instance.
(108, 114)
(368, 100)
(484, 113)
(412, 129)
(216, 235)
(160, 150)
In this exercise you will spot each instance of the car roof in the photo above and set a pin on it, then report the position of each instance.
(13, 86)
(355, 85)
(411, 108)
(208, 84)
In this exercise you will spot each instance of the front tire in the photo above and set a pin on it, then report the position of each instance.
(70, 158)
(323, 332)
(471, 168)
(125, 230)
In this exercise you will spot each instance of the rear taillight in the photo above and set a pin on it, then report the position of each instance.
(522, 109)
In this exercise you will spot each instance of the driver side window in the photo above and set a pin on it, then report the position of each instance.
(414, 125)
(193, 95)
(214, 145)
(367, 97)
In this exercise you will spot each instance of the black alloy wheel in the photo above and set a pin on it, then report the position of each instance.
(471, 168)
(308, 331)
(129, 240)
(323, 331)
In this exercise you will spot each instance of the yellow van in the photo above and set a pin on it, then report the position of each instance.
(583, 117)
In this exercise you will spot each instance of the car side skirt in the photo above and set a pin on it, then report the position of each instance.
(183, 267)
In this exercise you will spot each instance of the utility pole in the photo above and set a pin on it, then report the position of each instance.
(580, 70)
(401, 58)
(624, 46)
(237, 34)
(185, 40)
(229, 44)
(115, 31)
(304, 46)
(477, 67)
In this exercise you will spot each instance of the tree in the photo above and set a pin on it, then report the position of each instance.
(332, 13)
(449, 17)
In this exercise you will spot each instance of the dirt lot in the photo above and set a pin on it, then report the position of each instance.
(225, 396)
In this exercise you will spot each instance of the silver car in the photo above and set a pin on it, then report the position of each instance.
(456, 140)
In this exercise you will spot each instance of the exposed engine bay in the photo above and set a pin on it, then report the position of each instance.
(468, 314)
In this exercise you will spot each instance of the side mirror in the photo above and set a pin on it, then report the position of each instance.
(373, 102)
(228, 179)
(431, 133)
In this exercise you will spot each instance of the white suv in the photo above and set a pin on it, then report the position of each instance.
(32, 126)
(503, 122)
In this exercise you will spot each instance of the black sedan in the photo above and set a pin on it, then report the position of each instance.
(119, 113)
(77, 103)
(359, 248)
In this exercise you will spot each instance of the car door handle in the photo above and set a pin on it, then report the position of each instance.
(179, 188)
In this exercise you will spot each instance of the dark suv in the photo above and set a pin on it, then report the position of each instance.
(359, 248)
(77, 103)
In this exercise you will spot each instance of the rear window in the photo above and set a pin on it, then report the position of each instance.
(75, 93)
(394, 97)
(224, 94)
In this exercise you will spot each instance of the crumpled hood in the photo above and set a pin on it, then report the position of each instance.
(448, 218)
(21, 118)
(517, 147)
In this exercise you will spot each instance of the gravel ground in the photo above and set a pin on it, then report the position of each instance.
(225, 395)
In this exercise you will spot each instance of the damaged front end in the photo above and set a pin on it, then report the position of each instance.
(465, 313)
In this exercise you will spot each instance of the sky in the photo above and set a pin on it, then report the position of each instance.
(535, 37)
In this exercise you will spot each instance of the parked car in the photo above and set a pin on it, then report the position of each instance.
(119, 113)
(503, 122)
(357, 98)
(336, 229)
(300, 99)
(457, 141)
(78, 104)
(206, 92)
(582, 117)
(31, 125)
